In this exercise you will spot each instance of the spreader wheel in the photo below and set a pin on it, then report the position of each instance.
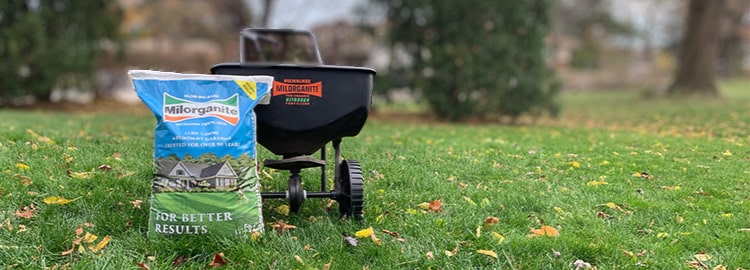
(351, 187)
(295, 193)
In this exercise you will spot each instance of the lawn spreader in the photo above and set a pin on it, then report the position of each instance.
(311, 105)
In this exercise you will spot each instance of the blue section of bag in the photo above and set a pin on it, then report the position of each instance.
(196, 116)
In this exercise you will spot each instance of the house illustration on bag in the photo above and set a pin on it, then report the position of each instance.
(185, 176)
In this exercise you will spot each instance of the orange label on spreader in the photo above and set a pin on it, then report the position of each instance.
(298, 87)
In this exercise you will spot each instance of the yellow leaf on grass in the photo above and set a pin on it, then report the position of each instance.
(101, 244)
(79, 175)
(500, 238)
(727, 153)
(22, 166)
(364, 233)
(89, 238)
(596, 183)
(58, 200)
(488, 253)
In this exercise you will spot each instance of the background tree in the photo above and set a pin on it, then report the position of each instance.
(479, 58)
(698, 56)
(592, 24)
(52, 43)
(731, 53)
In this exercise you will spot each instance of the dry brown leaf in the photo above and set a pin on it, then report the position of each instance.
(218, 261)
(143, 266)
(282, 226)
(490, 221)
(25, 212)
(68, 252)
(430, 256)
(177, 262)
(394, 234)
(436, 205)
(451, 253)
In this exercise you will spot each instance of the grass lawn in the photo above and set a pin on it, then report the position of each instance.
(617, 182)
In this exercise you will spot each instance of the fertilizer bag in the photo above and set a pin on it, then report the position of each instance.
(205, 179)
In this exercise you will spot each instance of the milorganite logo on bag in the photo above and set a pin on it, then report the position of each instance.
(176, 109)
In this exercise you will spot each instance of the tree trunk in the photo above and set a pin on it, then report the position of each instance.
(697, 60)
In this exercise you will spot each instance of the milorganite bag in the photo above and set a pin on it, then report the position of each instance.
(205, 179)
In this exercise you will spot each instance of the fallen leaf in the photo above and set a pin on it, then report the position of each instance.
(136, 203)
(451, 253)
(580, 264)
(364, 233)
(375, 239)
(218, 261)
(702, 256)
(89, 238)
(436, 205)
(179, 261)
(282, 226)
(394, 234)
(299, 259)
(79, 175)
(697, 265)
(104, 167)
(26, 182)
(603, 215)
(143, 266)
(470, 201)
(500, 238)
(489, 221)
(68, 252)
(596, 183)
(556, 253)
(479, 231)
(430, 256)
(101, 244)
(544, 231)
(58, 200)
(79, 231)
(22, 166)
(26, 213)
(488, 253)
(327, 266)
(628, 253)
(350, 240)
